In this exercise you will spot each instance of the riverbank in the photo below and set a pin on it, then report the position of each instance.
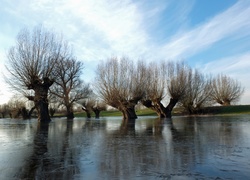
(236, 109)
(214, 110)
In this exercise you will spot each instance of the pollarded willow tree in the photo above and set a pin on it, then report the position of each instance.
(198, 94)
(98, 107)
(30, 65)
(68, 87)
(226, 90)
(165, 79)
(92, 105)
(87, 105)
(121, 84)
(156, 88)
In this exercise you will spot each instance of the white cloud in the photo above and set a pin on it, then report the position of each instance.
(97, 28)
(5, 94)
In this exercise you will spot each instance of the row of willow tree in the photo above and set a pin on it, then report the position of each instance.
(122, 84)
(42, 67)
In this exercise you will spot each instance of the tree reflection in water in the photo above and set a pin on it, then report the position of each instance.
(147, 153)
(51, 159)
(37, 162)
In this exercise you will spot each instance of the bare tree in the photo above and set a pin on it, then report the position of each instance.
(226, 90)
(15, 104)
(156, 88)
(68, 87)
(18, 108)
(198, 92)
(167, 79)
(121, 84)
(177, 84)
(4, 110)
(30, 64)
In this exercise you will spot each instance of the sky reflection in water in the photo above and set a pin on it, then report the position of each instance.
(184, 148)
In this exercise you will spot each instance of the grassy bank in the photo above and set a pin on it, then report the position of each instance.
(236, 109)
(215, 110)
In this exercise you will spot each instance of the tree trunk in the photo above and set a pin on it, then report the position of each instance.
(149, 104)
(3, 115)
(97, 112)
(42, 110)
(169, 108)
(87, 112)
(129, 113)
(24, 113)
(226, 103)
(70, 114)
(31, 111)
(52, 111)
(158, 107)
(41, 88)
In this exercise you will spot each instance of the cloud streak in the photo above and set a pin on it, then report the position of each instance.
(100, 29)
(232, 22)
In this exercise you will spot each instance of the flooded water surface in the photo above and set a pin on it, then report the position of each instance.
(182, 148)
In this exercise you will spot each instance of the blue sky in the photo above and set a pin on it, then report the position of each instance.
(212, 35)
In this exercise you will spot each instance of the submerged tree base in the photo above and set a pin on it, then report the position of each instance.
(43, 112)
(70, 115)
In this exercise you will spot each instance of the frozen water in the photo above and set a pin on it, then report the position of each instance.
(211, 147)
